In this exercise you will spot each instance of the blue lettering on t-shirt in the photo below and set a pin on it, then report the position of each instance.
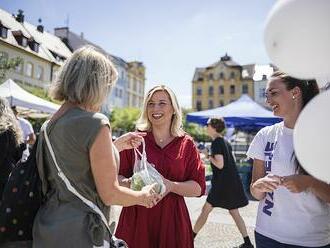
(267, 207)
(269, 153)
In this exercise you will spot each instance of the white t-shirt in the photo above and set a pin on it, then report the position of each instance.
(27, 130)
(292, 218)
(26, 127)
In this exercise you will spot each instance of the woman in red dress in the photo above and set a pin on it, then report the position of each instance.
(177, 159)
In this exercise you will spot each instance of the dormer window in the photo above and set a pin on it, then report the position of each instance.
(57, 56)
(3, 31)
(20, 38)
(34, 45)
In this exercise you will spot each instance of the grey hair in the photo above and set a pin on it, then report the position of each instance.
(86, 78)
(8, 121)
(143, 123)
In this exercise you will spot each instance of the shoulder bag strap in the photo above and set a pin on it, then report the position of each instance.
(60, 173)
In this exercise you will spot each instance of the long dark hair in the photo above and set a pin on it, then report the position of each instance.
(309, 89)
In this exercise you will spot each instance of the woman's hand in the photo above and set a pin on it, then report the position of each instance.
(268, 183)
(129, 140)
(149, 197)
(168, 186)
(296, 183)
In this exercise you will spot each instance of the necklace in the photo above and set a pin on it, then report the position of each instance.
(161, 140)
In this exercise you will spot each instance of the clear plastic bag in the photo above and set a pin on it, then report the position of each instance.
(144, 173)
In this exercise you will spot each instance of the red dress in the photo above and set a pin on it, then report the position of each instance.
(168, 223)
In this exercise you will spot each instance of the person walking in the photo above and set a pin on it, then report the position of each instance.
(226, 186)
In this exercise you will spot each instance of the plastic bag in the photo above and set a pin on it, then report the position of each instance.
(144, 173)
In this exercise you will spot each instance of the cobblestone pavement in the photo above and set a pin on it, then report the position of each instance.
(220, 230)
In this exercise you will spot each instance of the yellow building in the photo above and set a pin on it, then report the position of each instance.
(136, 84)
(219, 84)
(41, 52)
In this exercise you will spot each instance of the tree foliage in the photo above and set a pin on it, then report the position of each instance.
(124, 119)
(194, 130)
(7, 64)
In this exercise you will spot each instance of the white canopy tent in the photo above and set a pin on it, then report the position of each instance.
(21, 98)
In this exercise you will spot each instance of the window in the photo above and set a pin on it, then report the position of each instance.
(200, 79)
(199, 105)
(199, 91)
(19, 68)
(262, 93)
(232, 89)
(3, 31)
(34, 46)
(211, 91)
(134, 101)
(221, 76)
(134, 86)
(210, 76)
(221, 103)
(24, 41)
(221, 90)
(232, 75)
(245, 89)
(39, 72)
(20, 38)
(29, 69)
(210, 104)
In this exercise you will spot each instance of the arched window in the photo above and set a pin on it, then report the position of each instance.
(221, 90)
(210, 104)
(39, 72)
(232, 89)
(199, 91)
(211, 91)
(29, 69)
(199, 105)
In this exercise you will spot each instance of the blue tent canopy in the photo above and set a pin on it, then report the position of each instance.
(243, 114)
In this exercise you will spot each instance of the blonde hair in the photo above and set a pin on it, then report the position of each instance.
(85, 78)
(8, 121)
(143, 123)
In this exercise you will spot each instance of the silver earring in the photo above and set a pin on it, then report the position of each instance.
(293, 97)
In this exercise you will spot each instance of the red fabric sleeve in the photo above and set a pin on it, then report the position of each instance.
(195, 168)
(126, 163)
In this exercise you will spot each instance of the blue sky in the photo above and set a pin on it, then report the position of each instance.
(170, 37)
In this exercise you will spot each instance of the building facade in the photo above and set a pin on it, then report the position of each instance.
(136, 84)
(121, 93)
(219, 84)
(41, 53)
(261, 75)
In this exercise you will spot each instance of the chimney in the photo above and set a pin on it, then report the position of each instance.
(20, 16)
(81, 35)
(40, 27)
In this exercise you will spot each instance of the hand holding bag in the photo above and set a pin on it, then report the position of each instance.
(144, 173)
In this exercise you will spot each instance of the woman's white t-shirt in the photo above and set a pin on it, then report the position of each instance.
(292, 218)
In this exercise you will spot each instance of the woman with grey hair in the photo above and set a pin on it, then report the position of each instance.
(83, 148)
(11, 141)
(177, 159)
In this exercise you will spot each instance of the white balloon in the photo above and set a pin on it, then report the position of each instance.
(312, 137)
(297, 37)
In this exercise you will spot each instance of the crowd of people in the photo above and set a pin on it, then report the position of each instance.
(294, 209)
